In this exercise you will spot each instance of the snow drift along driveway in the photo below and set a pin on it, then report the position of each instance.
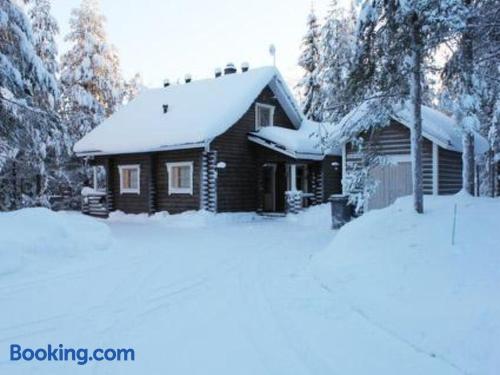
(408, 296)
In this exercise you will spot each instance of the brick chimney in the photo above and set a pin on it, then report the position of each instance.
(230, 69)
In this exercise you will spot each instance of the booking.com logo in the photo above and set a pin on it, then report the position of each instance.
(59, 353)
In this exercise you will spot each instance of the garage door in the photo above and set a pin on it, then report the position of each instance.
(394, 182)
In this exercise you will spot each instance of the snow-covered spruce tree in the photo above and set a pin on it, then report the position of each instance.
(466, 109)
(45, 31)
(27, 126)
(92, 86)
(394, 39)
(309, 85)
(91, 82)
(336, 58)
(133, 87)
(470, 77)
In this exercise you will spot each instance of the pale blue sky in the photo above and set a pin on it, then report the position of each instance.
(169, 38)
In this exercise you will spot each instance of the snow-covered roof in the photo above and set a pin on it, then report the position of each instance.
(197, 112)
(436, 126)
(302, 143)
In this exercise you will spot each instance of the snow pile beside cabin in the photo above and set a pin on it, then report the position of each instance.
(318, 216)
(399, 277)
(38, 234)
(188, 219)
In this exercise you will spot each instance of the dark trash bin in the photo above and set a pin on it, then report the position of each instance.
(341, 210)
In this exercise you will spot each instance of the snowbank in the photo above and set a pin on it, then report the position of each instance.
(316, 216)
(398, 272)
(39, 232)
(189, 219)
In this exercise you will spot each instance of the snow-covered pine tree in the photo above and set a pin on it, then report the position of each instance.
(92, 86)
(394, 39)
(309, 85)
(336, 59)
(26, 90)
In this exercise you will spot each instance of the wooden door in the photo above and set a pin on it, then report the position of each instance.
(280, 187)
(269, 185)
(395, 181)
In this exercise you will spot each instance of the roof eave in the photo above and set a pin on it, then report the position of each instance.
(287, 101)
(182, 146)
(283, 150)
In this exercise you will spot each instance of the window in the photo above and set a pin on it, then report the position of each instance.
(180, 177)
(264, 114)
(130, 176)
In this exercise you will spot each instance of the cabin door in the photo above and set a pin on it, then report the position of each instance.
(274, 186)
(394, 181)
(269, 187)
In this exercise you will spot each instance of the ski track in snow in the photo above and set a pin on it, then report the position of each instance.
(235, 299)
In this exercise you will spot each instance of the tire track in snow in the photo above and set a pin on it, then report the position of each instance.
(414, 347)
(395, 336)
(275, 342)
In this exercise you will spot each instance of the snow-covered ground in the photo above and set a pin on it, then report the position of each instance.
(407, 301)
(242, 294)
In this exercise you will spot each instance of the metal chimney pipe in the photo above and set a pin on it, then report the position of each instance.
(230, 69)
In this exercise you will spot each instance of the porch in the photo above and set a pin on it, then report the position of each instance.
(96, 200)
(286, 187)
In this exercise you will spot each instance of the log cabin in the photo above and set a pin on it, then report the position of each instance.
(235, 142)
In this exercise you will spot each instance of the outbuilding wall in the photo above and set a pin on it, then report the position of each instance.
(394, 141)
(450, 172)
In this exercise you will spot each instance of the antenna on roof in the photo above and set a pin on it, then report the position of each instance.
(272, 52)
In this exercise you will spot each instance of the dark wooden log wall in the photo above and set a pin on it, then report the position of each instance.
(177, 203)
(153, 195)
(450, 171)
(237, 183)
(129, 202)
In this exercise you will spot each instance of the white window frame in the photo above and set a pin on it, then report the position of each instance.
(124, 190)
(176, 190)
(262, 105)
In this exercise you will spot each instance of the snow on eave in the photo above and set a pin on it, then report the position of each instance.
(283, 149)
(442, 130)
(183, 146)
(195, 114)
(287, 100)
(302, 143)
(436, 126)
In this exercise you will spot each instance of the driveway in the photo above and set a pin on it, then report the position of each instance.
(230, 297)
